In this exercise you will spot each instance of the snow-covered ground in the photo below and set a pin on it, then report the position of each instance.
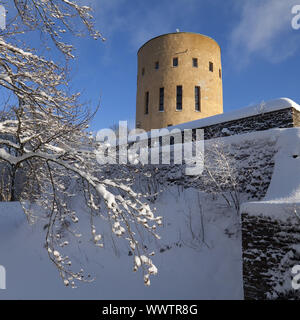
(199, 255)
(192, 265)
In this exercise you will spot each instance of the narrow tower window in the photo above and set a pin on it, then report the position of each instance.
(179, 98)
(220, 74)
(175, 62)
(195, 62)
(143, 71)
(147, 102)
(197, 98)
(161, 99)
(211, 66)
(157, 65)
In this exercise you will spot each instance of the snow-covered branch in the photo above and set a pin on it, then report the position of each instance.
(45, 151)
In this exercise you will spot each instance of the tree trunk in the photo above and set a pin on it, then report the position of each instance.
(13, 183)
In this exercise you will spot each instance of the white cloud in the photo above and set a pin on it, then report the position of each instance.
(142, 20)
(264, 29)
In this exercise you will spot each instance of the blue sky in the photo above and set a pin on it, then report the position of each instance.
(260, 50)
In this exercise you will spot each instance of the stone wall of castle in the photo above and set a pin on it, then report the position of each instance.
(271, 247)
(285, 118)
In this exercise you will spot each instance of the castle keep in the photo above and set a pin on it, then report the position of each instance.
(179, 80)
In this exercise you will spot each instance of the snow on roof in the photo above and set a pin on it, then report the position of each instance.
(282, 210)
(264, 107)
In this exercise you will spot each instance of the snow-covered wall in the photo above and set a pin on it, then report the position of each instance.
(268, 166)
(252, 155)
(271, 228)
(278, 113)
(285, 118)
(271, 248)
(252, 114)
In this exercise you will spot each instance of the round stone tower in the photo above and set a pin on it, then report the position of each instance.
(179, 80)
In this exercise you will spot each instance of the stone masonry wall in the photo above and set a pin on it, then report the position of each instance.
(286, 118)
(271, 248)
(253, 160)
